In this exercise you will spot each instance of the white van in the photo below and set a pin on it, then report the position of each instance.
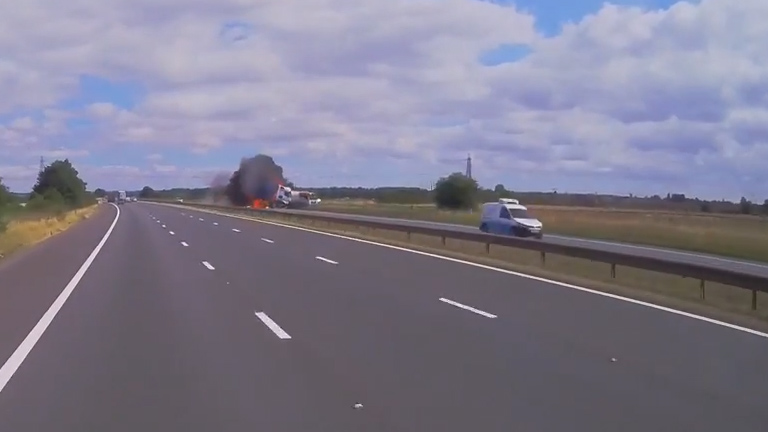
(508, 217)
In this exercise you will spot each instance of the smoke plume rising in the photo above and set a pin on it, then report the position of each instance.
(257, 178)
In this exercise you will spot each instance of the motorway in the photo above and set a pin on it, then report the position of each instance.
(190, 321)
(750, 267)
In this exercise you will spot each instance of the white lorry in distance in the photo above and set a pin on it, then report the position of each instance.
(509, 217)
(121, 197)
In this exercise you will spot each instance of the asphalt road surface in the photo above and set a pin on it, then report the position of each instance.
(750, 267)
(189, 321)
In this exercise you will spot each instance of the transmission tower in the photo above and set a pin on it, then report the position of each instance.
(42, 165)
(469, 167)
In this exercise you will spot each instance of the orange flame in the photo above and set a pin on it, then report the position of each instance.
(260, 204)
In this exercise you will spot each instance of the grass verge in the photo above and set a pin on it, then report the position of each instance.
(744, 237)
(25, 231)
(723, 302)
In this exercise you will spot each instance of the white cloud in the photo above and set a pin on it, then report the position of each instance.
(625, 92)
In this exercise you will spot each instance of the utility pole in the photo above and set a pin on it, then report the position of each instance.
(42, 165)
(469, 167)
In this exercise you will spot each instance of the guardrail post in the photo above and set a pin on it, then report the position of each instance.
(443, 240)
(408, 233)
(613, 270)
(488, 248)
(754, 300)
(703, 294)
(543, 258)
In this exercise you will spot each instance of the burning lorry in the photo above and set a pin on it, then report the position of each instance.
(272, 195)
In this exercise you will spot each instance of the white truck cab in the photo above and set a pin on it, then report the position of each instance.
(509, 217)
(283, 197)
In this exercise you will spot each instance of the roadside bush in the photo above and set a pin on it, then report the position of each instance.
(456, 192)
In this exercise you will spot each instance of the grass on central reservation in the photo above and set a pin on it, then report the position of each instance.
(27, 229)
(737, 236)
(717, 300)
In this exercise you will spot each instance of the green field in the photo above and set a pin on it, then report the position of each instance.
(737, 236)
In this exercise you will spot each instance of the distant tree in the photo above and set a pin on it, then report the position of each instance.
(765, 207)
(62, 177)
(745, 206)
(99, 193)
(5, 195)
(147, 192)
(705, 207)
(499, 189)
(456, 191)
(5, 200)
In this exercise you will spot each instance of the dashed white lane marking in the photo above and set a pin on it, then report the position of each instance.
(505, 271)
(469, 308)
(22, 351)
(216, 223)
(201, 219)
(208, 265)
(326, 260)
(171, 233)
(272, 326)
(184, 244)
(163, 226)
(266, 240)
(235, 230)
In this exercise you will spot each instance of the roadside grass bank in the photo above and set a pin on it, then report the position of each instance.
(26, 228)
(736, 236)
(718, 301)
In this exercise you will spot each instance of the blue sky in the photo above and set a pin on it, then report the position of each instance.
(185, 100)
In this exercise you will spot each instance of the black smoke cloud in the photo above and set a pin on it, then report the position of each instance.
(256, 178)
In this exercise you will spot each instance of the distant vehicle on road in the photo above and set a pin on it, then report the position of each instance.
(509, 217)
(121, 197)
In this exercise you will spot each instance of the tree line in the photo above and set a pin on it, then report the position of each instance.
(456, 191)
(58, 189)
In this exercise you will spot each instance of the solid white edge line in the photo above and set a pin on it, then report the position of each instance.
(469, 308)
(208, 265)
(184, 244)
(326, 260)
(22, 351)
(509, 272)
(266, 240)
(272, 326)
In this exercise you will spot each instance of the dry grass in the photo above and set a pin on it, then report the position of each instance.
(716, 300)
(25, 232)
(744, 237)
